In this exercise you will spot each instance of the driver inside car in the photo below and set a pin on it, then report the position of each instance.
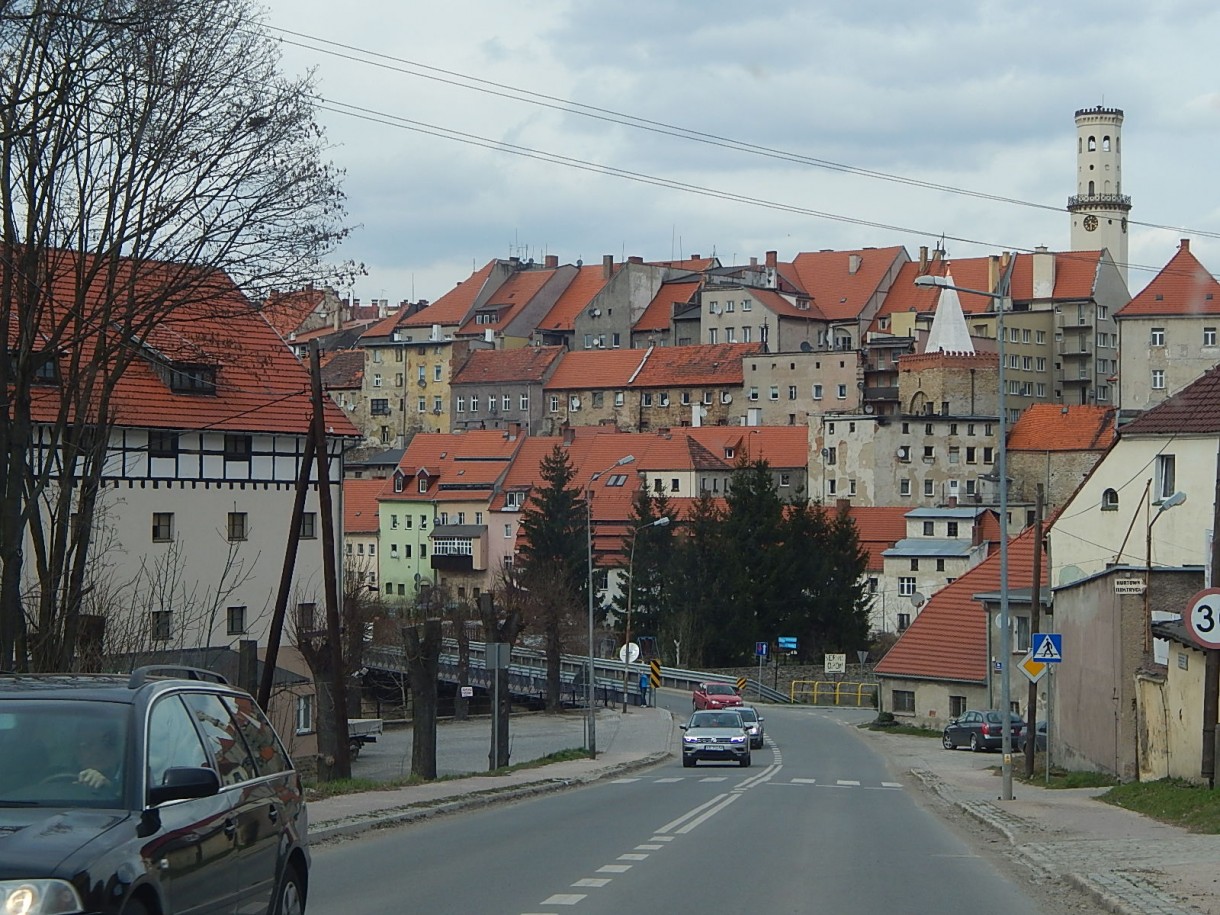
(99, 754)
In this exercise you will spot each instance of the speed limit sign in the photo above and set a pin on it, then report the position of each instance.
(1203, 618)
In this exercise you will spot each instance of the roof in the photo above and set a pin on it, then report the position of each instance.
(597, 368)
(1194, 409)
(828, 279)
(360, 505)
(1184, 287)
(507, 301)
(878, 527)
(260, 386)
(287, 311)
(587, 283)
(661, 309)
(706, 364)
(460, 466)
(343, 370)
(450, 309)
(967, 513)
(929, 546)
(947, 640)
(1051, 427)
(507, 366)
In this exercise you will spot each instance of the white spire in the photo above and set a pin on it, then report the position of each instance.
(949, 333)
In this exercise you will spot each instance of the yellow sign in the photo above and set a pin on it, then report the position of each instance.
(1031, 668)
(654, 675)
(741, 683)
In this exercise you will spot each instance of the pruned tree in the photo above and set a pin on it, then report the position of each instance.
(149, 151)
(553, 559)
(423, 647)
(502, 624)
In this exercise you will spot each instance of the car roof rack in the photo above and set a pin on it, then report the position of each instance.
(142, 675)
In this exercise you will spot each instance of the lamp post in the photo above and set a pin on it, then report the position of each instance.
(663, 521)
(590, 709)
(1167, 503)
(942, 282)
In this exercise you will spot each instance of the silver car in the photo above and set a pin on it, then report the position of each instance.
(716, 735)
(754, 725)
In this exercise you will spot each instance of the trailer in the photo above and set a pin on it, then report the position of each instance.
(361, 731)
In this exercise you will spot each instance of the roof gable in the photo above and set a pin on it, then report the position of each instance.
(841, 283)
(1051, 427)
(1183, 287)
(1195, 408)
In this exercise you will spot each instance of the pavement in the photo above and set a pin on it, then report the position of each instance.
(1127, 862)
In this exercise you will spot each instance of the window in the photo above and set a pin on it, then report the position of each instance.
(904, 487)
(1109, 500)
(832, 487)
(508, 531)
(379, 406)
(753, 393)
(832, 456)
(842, 395)
(929, 529)
(972, 455)
(162, 443)
(524, 403)
(646, 399)
(233, 761)
(955, 454)
(236, 619)
(1209, 336)
(1158, 379)
(305, 712)
(619, 398)
(712, 336)
(904, 622)
(1165, 473)
(376, 381)
(1040, 364)
(775, 392)
(554, 403)
(785, 480)
(914, 565)
(421, 405)
(437, 373)
(1024, 336)
(238, 448)
(461, 405)
(161, 625)
(162, 527)
(929, 487)
(940, 565)
(903, 701)
(1040, 337)
(957, 706)
(851, 487)
(1158, 337)
(951, 528)
(309, 526)
(1020, 641)
(792, 392)
(817, 392)
(238, 529)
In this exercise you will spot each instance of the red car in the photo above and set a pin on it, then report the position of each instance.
(715, 695)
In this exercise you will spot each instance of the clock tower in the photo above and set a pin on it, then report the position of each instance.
(1099, 207)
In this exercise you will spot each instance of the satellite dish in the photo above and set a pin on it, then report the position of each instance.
(918, 599)
(806, 347)
(868, 408)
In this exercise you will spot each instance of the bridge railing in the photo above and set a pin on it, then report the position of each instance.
(834, 692)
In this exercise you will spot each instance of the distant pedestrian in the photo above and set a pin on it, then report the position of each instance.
(644, 684)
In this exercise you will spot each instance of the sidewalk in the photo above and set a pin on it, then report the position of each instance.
(1131, 864)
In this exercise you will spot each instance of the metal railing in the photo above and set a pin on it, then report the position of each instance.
(834, 692)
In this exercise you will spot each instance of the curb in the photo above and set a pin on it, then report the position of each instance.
(398, 816)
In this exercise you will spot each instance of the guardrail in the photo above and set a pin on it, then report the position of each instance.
(843, 692)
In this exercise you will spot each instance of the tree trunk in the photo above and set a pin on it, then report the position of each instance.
(423, 662)
(499, 631)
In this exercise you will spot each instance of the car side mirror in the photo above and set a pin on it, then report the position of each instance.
(184, 782)
(682, 726)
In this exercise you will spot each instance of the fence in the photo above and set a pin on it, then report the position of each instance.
(831, 692)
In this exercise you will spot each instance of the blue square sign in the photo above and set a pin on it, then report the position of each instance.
(1047, 647)
(760, 649)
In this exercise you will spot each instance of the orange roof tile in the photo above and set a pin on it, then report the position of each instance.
(1051, 427)
(879, 527)
(589, 281)
(502, 366)
(288, 310)
(784, 304)
(827, 278)
(948, 639)
(1183, 287)
(450, 309)
(586, 369)
(661, 309)
(343, 370)
(461, 466)
(360, 505)
(512, 296)
(706, 364)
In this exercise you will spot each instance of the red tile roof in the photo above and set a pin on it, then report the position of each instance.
(948, 639)
(589, 281)
(288, 310)
(1183, 287)
(461, 466)
(1194, 409)
(360, 505)
(827, 278)
(504, 366)
(661, 309)
(586, 369)
(684, 366)
(449, 310)
(1051, 427)
(260, 385)
(784, 305)
(513, 295)
(879, 528)
(343, 370)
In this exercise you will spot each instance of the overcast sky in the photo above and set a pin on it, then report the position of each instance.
(974, 96)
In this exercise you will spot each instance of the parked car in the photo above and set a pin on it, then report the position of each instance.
(754, 725)
(165, 790)
(980, 730)
(716, 735)
(1039, 738)
(715, 695)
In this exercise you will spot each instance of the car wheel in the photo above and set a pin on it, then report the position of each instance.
(135, 907)
(975, 745)
(947, 742)
(745, 761)
(290, 900)
(688, 762)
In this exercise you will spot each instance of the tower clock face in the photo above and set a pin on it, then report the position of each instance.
(1090, 223)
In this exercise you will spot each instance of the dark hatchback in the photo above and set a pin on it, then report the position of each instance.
(146, 794)
(980, 730)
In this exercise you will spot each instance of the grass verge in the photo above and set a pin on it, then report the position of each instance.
(1171, 800)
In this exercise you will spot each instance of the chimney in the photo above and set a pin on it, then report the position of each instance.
(636, 259)
(607, 266)
(552, 261)
(842, 504)
(1185, 246)
(993, 272)
(772, 259)
(753, 264)
(696, 257)
(569, 435)
(953, 501)
(923, 259)
(853, 263)
(1044, 273)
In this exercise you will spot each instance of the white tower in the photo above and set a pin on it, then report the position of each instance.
(1099, 207)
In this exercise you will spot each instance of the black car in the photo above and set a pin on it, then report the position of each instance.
(980, 730)
(1039, 738)
(156, 792)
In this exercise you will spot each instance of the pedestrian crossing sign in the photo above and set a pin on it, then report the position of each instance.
(1048, 647)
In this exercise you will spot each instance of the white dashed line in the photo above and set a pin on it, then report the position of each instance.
(564, 899)
(804, 781)
(891, 784)
(614, 868)
(846, 783)
(714, 778)
(592, 881)
(632, 857)
(648, 847)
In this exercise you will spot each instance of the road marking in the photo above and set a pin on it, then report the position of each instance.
(565, 899)
(847, 783)
(714, 778)
(649, 847)
(804, 781)
(624, 781)
(663, 781)
(632, 857)
(891, 784)
(707, 815)
(592, 881)
(614, 868)
(662, 838)
(673, 825)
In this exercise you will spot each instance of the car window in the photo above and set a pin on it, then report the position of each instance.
(172, 740)
(233, 761)
(748, 715)
(46, 746)
(717, 689)
(260, 737)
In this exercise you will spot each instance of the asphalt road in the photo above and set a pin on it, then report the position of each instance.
(817, 824)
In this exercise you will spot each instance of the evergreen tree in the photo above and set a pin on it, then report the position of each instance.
(695, 590)
(651, 573)
(554, 560)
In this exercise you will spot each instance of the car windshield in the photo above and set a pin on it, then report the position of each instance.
(748, 715)
(62, 754)
(719, 689)
(715, 720)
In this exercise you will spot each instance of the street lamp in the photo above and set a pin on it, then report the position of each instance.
(1167, 503)
(943, 282)
(663, 521)
(590, 709)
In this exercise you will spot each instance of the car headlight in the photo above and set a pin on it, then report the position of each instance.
(741, 739)
(39, 897)
(686, 739)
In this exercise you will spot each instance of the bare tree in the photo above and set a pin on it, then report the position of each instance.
(423, 644)
(149, 151)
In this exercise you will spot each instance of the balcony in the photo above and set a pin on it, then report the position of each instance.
(889, 394)
(1119, 201)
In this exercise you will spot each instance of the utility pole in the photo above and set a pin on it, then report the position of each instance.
(1035, 621)
(1211, 668)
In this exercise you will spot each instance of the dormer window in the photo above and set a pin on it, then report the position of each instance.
(398, 481)
(47, 371)
(187, 378)
(423, 483)
(729, 454)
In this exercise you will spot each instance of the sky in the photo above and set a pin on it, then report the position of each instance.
(788, 126)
